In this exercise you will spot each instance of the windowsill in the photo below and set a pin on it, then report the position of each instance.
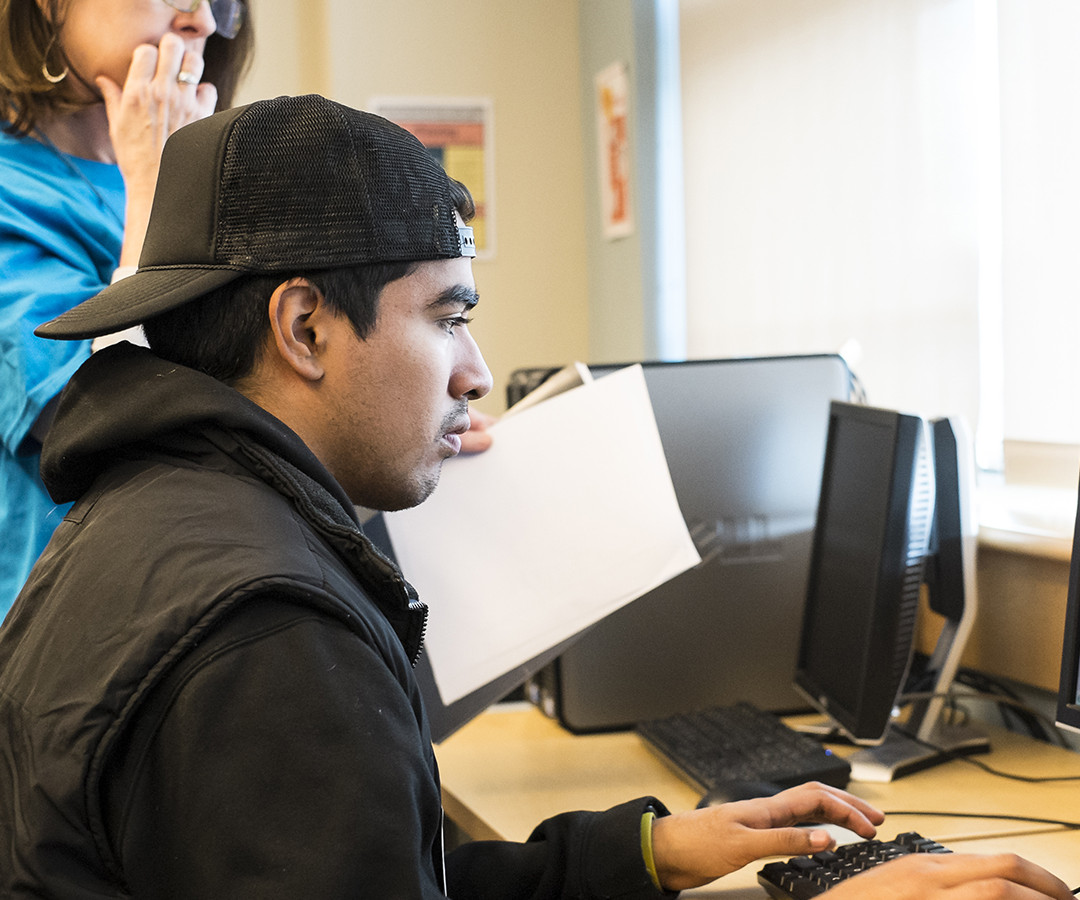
(1053, 548)
(1035, 519)
(1012, 528)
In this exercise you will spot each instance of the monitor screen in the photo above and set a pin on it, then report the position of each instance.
(1068, 707)
(870, 542)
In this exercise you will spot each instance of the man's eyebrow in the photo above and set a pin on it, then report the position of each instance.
(458, 295)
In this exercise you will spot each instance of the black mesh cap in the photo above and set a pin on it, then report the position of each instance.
(283, 185)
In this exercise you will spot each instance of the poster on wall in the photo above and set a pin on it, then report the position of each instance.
(613, 133)
(459, 134)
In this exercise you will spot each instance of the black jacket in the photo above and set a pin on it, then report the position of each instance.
(206, 686)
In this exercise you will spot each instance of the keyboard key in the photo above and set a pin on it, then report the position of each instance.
(810, 876)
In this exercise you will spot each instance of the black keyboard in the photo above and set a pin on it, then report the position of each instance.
(802, 877)
(725, 745)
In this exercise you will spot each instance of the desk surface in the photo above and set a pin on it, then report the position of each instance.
(512, 767)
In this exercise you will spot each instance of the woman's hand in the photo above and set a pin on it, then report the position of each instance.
(150, 106)
(477, 438)
(953, 876)
(694, 848)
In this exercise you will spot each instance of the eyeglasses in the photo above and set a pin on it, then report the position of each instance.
(228, 14)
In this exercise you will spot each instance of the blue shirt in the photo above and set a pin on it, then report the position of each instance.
(60, 234)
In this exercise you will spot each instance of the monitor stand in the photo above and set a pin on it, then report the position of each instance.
(901, 754)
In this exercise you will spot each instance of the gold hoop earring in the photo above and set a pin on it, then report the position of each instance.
(45, 73)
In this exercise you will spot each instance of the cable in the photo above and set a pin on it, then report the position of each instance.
(946, 754)
(1028, 716)
(1011, 706)
(1036, 820)
(1009, 702)
(1005, 702)
(1026, 779)
(856, 388)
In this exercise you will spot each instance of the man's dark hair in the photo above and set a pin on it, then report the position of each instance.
(222, 333)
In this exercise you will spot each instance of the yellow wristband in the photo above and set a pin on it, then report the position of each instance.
(646, 847)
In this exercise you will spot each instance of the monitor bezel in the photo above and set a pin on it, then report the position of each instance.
(895, 605)
(1068, 709)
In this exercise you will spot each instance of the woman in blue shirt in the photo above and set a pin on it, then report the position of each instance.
(89, 91)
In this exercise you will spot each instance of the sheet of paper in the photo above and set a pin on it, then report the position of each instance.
(566, 379)
(570, 515)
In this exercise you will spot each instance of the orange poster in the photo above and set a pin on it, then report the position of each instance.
(613, 135)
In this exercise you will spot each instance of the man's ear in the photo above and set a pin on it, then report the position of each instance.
(296, 311)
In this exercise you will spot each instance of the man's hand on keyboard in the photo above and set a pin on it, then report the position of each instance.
(694, 848)
(955, 876)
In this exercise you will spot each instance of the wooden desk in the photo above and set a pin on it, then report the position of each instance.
(512, 767)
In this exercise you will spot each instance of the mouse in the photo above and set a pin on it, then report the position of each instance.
(730, 791)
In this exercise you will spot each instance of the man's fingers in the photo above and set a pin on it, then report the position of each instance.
(958, 876)
(815, 802)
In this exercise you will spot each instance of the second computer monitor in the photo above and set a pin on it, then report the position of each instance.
(870, 543)
(895, 515)
(1068, 707)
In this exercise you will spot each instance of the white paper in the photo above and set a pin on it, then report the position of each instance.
(565, 379)
(570, 515)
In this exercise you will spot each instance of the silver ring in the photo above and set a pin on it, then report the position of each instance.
(187, 78)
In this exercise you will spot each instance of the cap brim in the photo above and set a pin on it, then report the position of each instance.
(133, 300)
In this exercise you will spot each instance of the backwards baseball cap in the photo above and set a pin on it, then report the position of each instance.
(284, 185)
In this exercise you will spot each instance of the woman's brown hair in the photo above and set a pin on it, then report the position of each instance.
(28, 49)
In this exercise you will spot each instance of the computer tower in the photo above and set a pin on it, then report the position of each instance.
(744, 440)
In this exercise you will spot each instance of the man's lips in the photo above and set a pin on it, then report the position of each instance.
(453, 436)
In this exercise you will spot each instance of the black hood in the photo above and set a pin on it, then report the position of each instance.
(125, 402)
(125, 396)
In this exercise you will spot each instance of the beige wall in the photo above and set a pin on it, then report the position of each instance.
(524, 57)
(282, 28)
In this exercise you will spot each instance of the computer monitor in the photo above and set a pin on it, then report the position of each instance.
(744, 440)
(894, 513)
(1068, 706)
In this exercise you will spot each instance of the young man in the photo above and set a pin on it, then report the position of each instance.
(206, 686)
